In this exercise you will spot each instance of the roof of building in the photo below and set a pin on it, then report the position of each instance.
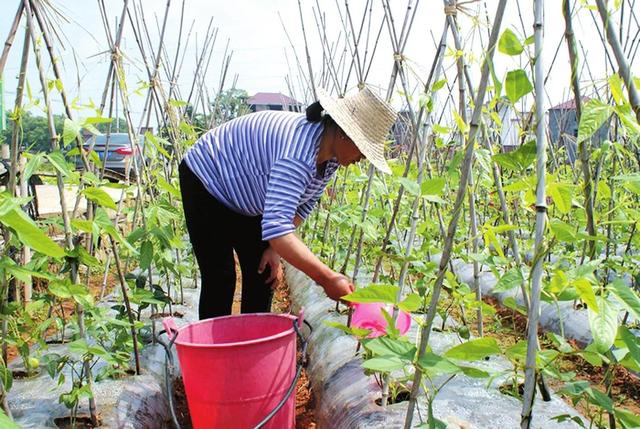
(570, 104)
(272, 98)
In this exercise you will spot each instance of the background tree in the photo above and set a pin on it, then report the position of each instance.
(35, 136)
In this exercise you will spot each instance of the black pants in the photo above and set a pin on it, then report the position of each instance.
(215, 232)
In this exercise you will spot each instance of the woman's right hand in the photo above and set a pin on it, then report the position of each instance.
(337, 286)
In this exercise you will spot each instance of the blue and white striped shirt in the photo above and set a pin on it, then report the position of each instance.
(263, 164)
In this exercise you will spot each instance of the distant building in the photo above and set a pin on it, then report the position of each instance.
(510, 131)
(273, 101)
(563, 127)
(401, 133)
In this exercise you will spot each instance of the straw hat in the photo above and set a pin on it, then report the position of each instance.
(366, 119)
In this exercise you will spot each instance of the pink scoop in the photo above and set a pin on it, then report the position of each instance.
(369, 316)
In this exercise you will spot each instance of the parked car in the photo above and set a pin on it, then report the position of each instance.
(114, 154)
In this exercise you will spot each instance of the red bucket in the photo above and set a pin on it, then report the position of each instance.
(237, 369)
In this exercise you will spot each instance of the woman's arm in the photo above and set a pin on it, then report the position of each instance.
(295, 252)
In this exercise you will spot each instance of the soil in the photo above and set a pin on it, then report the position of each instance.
(81, 422)
(180, 404)
(66, 308)
(512, 327)
(305, 400)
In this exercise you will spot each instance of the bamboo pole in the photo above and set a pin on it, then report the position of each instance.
(26, 251)
(420, 142)
(11, 187)
(455, 215)
(119, 75)
(306, 49)
(541, 215)
(397, 68)
(582, 146)
(10, 37)
(63, 203)
(624, 69)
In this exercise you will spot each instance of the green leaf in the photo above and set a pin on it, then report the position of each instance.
(66, 289)
(100, 197)
(6, 422)
(84, 257)
(615, 84)
(438, 85)
(146, 254)
(626, 296)
(6, 377)
(101, 219)
(435, 365)
(439, 129)
(603, 324)
(411, 186)
(509, 43)
(383, 364)
(496, 82)
(97, 120)
(82, 225)
(517, 85)
(560, 343)
(79, 346)
(631, 342)
(374, 293)
(510, 280)
(474, 372)
(164, 185)
(631, 182)
(434, 186)
(33, 164)
(462, 125)
(628, 418)
(519, 159)
(384, 346)
(586, 293)
(177, 103)
(591, 355)
(563, 231)
(30, 235)
(9, 203)
(156, 144)
(562, 195)
(411, 303)
(70, 131)
(356, 332)
(474, 349)
(59, 162)
(600, 399)
(594, 115)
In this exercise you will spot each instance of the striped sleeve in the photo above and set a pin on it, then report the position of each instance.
(288, 179)
(305, 208)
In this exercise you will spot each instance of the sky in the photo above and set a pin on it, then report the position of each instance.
(264, 53)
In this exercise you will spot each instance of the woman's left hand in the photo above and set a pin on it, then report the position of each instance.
(271, 258)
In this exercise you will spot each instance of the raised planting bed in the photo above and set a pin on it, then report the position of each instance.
(346, 397)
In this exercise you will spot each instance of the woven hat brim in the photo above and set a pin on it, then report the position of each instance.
(371, 143)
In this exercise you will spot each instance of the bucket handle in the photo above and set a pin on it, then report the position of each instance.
(301, 364)
(171, 329)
